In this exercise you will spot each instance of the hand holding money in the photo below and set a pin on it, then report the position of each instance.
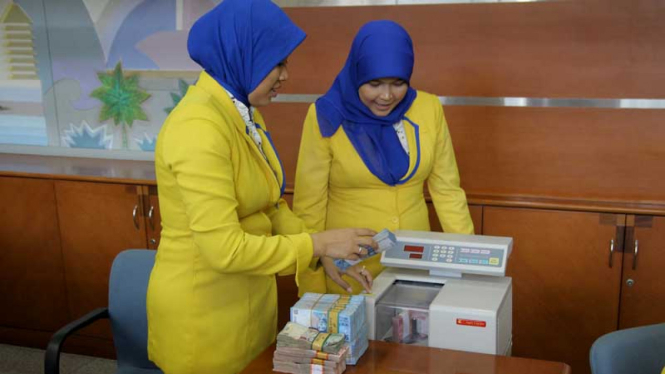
(346, 244)
(385, 241)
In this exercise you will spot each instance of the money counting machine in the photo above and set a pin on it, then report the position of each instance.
(444, 290)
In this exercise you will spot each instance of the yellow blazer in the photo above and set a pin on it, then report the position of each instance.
(212, 297)
(335, 189)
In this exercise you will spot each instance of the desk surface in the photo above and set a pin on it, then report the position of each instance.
(386, 358)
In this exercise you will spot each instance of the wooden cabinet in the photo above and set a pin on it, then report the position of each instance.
(643, 283)
(32, 278)
(565, 292)
(576, 275)
(97, 221)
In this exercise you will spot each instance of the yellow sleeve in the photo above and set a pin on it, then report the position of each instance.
(444, 183)
(199, 157)
(310, 200)
(285, 222)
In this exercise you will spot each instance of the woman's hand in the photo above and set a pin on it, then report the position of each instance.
(362, 275)
(346, 244)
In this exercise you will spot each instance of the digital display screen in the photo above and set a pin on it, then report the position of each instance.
(416, 255)
(414, 248)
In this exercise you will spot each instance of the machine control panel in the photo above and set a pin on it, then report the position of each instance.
(449, 254)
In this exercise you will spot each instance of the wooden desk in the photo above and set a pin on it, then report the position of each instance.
(387, 358)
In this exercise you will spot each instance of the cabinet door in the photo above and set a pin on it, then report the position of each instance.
(153, 220)
(565, 294)
(32, 281)
(476, 216)
(97, 221)
(642, 300)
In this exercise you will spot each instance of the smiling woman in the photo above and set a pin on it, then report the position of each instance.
(382, 95)
(368, 146)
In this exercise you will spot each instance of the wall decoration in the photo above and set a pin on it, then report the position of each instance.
(122, 98)
(83, 136)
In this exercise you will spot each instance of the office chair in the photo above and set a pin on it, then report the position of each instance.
(639, 350)
(128, 287)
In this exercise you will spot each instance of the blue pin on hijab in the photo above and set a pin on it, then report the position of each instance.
(381, 49)
(239, 42)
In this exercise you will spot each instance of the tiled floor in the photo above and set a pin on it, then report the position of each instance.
(22, 360)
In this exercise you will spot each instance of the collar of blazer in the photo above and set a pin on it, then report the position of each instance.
(222, 101)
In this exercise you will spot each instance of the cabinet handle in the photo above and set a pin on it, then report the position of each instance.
(611, 252)
(150, 214)
(134, 216)
(637, 247)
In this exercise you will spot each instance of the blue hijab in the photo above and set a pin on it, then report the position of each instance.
(239, 42)
(381, 49)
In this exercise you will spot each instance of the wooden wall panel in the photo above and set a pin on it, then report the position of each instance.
(602, 154)
(284, 121)
(547, 49)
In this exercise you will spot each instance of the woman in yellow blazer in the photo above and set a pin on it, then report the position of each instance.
(212, 298)
(368, 146)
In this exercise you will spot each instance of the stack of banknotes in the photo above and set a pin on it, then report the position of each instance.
(304, 350)
(385, 239)
(332, 313)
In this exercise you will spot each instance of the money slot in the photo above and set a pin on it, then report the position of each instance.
(402, 313)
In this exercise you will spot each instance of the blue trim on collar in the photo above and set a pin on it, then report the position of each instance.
(415, 168)
(267, 134)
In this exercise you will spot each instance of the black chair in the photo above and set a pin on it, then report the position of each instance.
(128, 287)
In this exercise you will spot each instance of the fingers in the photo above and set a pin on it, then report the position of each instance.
(356, 252)
(352, 257)
(337, 278)
(335, 274)
(367, 242)
(364, 232)
(368, 277)
(363, 277)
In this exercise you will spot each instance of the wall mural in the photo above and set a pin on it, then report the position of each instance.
(100, 74)
(21, 100)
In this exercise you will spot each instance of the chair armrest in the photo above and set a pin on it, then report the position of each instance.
(52, 357)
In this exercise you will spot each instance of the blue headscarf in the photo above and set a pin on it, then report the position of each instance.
(381, 49)
(240, 41)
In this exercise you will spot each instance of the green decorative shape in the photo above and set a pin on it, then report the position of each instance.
(121, 96)
(176, 97)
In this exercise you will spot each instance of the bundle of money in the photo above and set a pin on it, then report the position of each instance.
(308, 355)
(335, 314)
(298, 336)
(291, 367)
(302, 350)
(386, 241)
(331, 313)
(358, 346)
